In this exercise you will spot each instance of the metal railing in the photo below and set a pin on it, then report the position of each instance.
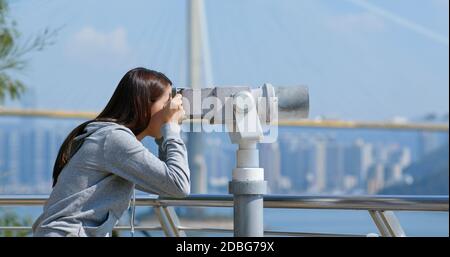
(380, 208)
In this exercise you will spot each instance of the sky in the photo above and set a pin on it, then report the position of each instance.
(361, 59)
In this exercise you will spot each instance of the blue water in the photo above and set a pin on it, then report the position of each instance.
(317, 221)
(350, 222)
(355, 222)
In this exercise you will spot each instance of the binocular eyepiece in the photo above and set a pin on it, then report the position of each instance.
(176, 90)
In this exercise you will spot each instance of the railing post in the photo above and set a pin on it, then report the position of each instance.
(164, 221)
(387, 223)
(173, 220)
(379, 223)
(392, 223)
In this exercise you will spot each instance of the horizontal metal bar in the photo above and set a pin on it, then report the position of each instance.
(14, 228)
(62, 114)
(213, 230)
(307, 234)
(393, 203)
(202, 229)
(145, 228)
(269, 232)
(382, 203)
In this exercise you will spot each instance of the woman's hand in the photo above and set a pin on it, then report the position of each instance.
(173, 111)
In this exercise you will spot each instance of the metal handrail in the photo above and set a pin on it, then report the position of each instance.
(370, 202)
(380, 208)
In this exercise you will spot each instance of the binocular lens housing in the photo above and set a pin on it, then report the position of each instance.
(291, 102)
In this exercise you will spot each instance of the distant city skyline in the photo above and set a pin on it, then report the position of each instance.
(311, 161)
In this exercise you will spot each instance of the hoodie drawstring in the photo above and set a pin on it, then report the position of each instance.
(133, 211)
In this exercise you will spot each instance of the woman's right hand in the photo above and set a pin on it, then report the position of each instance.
(173, 111)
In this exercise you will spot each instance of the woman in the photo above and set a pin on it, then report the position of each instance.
(101, 161)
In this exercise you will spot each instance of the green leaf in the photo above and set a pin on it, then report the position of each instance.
(13, 56)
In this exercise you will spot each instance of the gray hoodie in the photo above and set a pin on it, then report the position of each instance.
(96, 185)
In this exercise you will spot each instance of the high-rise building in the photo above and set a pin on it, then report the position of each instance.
(295, 153)
(400, 156)
(318, 165)
(375, 178)
(45, 152)
(427, 142)
(11, 164)
(334, 166)
(214, 162)
(398, 159)
(3, 149)
(51, 148)
(269, 158)
(393, 174)
(302, 167)
(27, 163)
(358, 157)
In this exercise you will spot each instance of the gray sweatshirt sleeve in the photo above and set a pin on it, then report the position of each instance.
(161, 151)
(126, 157)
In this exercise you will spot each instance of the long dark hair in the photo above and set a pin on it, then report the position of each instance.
(129, 106)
